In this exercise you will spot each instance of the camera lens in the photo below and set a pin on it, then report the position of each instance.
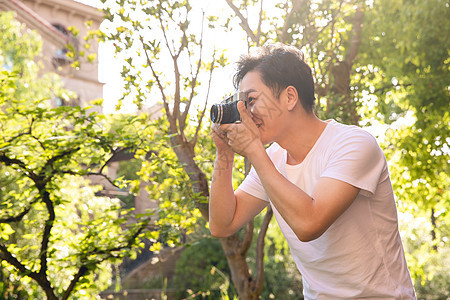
(225, 113)
(214, 114)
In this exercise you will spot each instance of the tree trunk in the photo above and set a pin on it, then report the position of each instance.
(235, 249)
(341, 72)
(433, 230)
(185, 154)
(240, 273)
(248, 287)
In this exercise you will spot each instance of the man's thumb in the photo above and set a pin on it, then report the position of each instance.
(242, 110)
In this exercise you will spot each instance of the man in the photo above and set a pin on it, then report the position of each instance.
(327, 183)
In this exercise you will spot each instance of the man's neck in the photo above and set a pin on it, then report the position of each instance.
(301, 138)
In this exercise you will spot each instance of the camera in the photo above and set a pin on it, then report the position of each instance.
(226, 112)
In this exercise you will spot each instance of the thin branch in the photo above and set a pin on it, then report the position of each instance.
(39, 142)
(158, 81)
(247, 239)
(356, 35)
(175, 54)
(333, 53)
(194, 80)
(22, 133)
(165, 36)
(20, 216)
(81, 272)
(197, 130)
(176, 106)
(47, 232)
(114, 152)
(8, 257)
(295, 5)
(258, 31)
(260, 249)
(90, 174)
(244, 23)
(14, 161)
(39, 278)
(51, 161)
(313, 37)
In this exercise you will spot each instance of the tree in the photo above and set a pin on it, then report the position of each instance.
(56, 236)
(406, 66)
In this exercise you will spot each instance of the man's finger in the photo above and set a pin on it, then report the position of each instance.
(242, 110)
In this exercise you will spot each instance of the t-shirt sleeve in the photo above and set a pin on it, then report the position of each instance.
(357, 160)
(253, 186)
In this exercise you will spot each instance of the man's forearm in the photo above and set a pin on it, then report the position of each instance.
(222, 202)
(292, 203)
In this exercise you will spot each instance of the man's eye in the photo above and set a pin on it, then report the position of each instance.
(250, 99)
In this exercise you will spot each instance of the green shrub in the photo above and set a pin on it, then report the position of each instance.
(202, 270)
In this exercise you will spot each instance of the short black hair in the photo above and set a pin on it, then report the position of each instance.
(280, 66)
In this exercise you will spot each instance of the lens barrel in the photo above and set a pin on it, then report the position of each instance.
(225, 113)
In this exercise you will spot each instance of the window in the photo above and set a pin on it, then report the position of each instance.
(60, 57)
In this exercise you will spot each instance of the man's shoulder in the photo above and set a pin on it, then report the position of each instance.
(274, 148)
(340, 131)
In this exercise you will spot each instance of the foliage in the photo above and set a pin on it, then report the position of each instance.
(397, 79)
(404, 78)
(282, 279)
(428, 267)
(168, 184)
(202, 270)
(52, 223)
(57, 236)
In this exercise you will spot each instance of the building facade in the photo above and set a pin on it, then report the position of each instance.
(53, 19)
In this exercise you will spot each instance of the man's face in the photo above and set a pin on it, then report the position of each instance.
(265, 109)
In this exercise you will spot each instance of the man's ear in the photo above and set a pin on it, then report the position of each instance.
(292, 97)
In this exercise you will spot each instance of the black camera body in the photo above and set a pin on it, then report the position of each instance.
(226, 112)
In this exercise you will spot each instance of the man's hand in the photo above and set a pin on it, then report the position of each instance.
(243, 137)
(220, 139)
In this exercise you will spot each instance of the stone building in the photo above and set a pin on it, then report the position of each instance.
(52, 19)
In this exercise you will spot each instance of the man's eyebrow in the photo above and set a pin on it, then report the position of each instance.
(249, 91)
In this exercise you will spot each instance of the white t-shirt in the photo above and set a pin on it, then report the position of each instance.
(361, 253)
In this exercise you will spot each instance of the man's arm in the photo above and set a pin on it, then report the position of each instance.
(308, 216)
(228, 211)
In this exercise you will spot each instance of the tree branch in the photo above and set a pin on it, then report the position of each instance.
(81, 272)
(115, 153)
(313, 37)
(18, 217)
(258, 31)
(244, 23)
(158, 81)
(39, 278)
(14, 161)
(260, 250)
(47, 232)
(248, 237)
(194, 80)
(356, 35)
(8, 257)
(22, 133)
(295, 6)
(197, 130)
